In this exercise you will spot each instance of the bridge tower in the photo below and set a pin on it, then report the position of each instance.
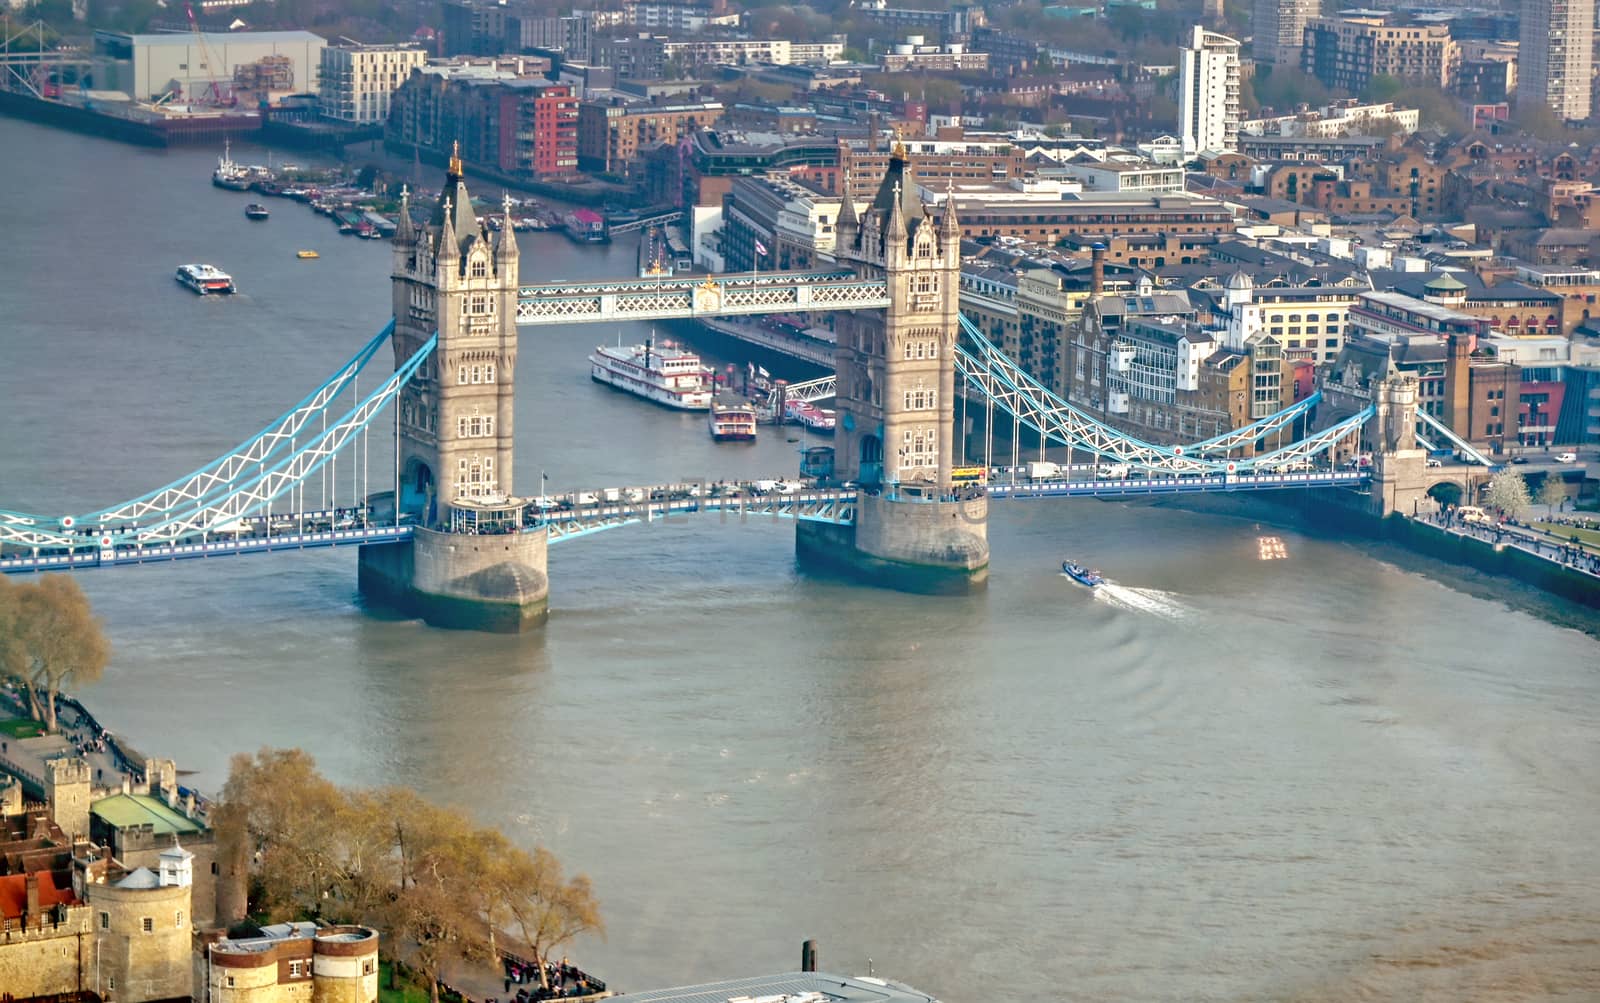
(470, 563)
(896, 403)
(1399, 468)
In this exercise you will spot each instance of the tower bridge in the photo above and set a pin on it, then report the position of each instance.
(445, 536)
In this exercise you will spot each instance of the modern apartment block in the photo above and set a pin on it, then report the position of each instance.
(1209, 102)
(1279, 28)
(1556, 56)
(358, 81)
(610, 133)
(506, 115)
(1347, 52)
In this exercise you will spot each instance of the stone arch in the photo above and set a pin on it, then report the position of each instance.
(871, 459)
(418, 489)
(1447, 492)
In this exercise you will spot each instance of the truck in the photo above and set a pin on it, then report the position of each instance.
(1113, 471)
(1040, 470)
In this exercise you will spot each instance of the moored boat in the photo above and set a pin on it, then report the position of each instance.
(586, 226)
(229, 175)
(731, 418)
(667, 375)
(817, 419)
(205, 279)
(1082, 575)
(256, 210)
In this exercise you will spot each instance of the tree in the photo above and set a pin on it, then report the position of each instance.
(289, 817)
(439, 888)
(547, 909)
(1382, 87)
(1284, 87)
(1552, 493)
(52, 639)
(1508, 492)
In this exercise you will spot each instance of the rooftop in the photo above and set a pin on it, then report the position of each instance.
(185, 38)
(123, 811)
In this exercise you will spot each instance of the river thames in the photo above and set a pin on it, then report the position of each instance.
(1342, 774)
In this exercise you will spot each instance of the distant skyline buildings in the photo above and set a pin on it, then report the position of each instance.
(1556, 55)
(1209, 98)
(1278, 28)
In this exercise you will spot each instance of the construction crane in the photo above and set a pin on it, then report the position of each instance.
(213, 93)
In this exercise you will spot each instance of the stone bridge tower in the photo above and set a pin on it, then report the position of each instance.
(470, 562)
(896, 401)
(456, 417)
(1399, 468)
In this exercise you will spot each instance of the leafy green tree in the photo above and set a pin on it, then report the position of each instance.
(1284, 87)
(1382, 87)
(1508, 492)
(1552, 493)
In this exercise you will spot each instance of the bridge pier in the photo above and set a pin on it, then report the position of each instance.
(494, 582)
(911, 545)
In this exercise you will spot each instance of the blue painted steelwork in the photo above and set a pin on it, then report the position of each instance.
(1037, 407)
(218, 477)
(1145, 487)
(1466, 448)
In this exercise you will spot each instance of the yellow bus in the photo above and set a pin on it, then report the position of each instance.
(969, 475)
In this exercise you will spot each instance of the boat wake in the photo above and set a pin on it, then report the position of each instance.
(1151, 601)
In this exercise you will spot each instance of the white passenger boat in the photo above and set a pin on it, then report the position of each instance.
(205, 279)
(667, 375)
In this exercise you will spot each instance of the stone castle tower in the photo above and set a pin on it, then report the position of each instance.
(67, 789)
(456, 415)
(896, 402)
(896, 369)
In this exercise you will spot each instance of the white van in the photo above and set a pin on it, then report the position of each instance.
(1566, 457)
(1472, 513)
(1116, 471)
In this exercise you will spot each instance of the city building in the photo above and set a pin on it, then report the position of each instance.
(932, 162)
(188, 66)
(1093, 214)
(958, 21)
(1209, 92)
(916, 54)
(1347, 119)
(1556, 56)
(505, 114)
(295, 963)
(664, 15)
(359, 80)
(612, 132)
(1346, 52)
(1123, 175)
(793, 220)
(1307, 322)
(1278, 27)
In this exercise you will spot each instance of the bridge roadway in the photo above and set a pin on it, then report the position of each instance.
(584, 513)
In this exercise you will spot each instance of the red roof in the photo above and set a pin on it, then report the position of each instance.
(14, 894)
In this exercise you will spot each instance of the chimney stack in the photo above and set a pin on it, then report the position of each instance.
(31, 883)
(1097, 270)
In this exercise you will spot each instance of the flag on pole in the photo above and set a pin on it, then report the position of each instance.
(763, 371)
(761, 249)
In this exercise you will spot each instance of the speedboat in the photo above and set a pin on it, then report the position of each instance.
(257, 211)
(307, 254)
(1081, 574)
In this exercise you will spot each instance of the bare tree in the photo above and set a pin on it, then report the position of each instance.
(548, 909)
(60, 641)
